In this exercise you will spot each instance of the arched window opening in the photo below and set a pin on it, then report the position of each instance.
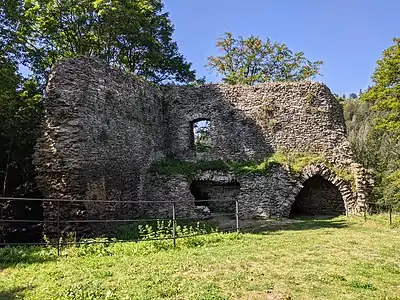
(318, 197)
(201, 137)
(214, 191)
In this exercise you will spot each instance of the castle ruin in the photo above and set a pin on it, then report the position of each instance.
(105, 131)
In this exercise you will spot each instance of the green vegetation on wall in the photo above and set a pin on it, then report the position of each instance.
(294, 162)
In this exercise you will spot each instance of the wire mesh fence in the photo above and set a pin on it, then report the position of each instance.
(63, 222)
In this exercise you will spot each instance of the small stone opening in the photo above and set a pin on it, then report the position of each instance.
(209, 190)
(200, 137)
(318, 197)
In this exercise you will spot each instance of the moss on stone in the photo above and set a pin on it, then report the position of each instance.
(311, 98)
(295, 162)
(173, 167)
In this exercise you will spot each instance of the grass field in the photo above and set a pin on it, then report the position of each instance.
(340, 258)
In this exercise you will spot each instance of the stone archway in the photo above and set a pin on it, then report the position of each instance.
(318, 197)
(323, 193)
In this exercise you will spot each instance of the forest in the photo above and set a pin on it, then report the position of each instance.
(136, 36)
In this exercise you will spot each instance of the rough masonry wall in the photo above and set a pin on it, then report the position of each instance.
(105, 128)
(102, 131)
(258, 195)
(249, 122)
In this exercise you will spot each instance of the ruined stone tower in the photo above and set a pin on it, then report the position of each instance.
(105, 130)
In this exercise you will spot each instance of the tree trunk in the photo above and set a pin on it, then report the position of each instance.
(7, 168)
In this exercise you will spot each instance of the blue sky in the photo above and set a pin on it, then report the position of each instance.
(348, 35)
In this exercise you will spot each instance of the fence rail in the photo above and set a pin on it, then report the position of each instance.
(373, 208)
(59, 222)
(12, 223)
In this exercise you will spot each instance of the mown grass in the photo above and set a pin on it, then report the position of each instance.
(340, 258)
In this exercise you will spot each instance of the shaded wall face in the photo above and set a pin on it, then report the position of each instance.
(318, 197)
(234, 135)
(248, 122)
(102, 131)
(222, 196)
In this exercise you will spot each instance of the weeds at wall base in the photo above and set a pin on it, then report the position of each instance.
(100, 247)
(140, 239)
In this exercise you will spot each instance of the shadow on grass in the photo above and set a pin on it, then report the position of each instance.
(299, 223)
(15, 293)
(20, 255)
(11, 256)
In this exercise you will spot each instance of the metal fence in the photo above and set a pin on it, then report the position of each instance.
(11, 223)
(383, 209)
(15, 226)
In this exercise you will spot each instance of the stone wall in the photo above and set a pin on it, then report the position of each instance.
(364, 184)
(250, 122)
(161, 191)
(277, 192)
(104, 128)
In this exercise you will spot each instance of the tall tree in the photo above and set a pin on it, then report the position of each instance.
(385, 92)
(20, 115)
(374, 125)
(251, 61)
(132, 34)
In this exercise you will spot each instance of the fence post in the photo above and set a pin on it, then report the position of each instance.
(237, 215)
(390, 215)
(174, 224)
(58, 227)
(365, 212)
(2, 229)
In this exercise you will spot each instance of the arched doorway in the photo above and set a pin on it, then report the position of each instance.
(318, 197)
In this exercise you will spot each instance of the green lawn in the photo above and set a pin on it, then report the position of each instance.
(340, 258)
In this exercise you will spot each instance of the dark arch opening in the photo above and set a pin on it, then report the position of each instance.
(210, 190)
(318, 197)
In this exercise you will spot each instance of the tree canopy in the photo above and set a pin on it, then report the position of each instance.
(251, 61)
(373, 125)
(385, 93)
(20, 114)
(135, 35)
